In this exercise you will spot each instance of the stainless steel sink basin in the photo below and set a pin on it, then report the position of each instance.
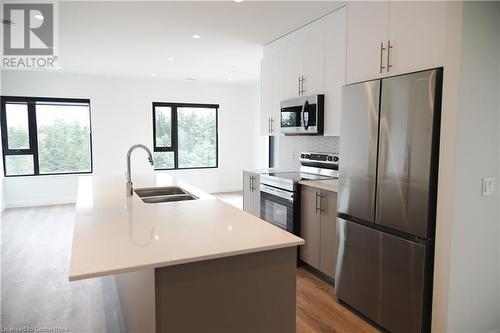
(159, 191)
(168, 198)
(163, 194)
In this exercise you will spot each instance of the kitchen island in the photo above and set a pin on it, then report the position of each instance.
(196, 265)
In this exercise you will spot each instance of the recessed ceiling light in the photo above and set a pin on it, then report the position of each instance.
(39, 16)
(238, 0)
(229, 79)
(153, 74)
(195, 36)
(171, 58)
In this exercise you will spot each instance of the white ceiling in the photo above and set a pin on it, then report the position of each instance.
(135, 39)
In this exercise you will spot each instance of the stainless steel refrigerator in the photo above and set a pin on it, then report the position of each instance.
(387, 198)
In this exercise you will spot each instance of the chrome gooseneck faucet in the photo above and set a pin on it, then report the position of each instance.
(130, 189)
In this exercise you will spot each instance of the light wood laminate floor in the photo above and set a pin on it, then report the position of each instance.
(35, 291)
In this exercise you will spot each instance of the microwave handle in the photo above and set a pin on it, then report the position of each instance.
(304, 108)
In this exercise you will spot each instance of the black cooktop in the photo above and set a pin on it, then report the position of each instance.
(298, 176)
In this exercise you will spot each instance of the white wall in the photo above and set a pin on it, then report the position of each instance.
(466, 282)
(121, 110)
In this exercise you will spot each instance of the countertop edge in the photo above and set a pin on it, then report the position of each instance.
(319, 185)
(77, 277)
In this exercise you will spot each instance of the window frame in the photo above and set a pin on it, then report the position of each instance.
(174, 142)
(33, 133)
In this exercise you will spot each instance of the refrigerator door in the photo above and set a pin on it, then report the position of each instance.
(408, 134)
(358, 150)
(382, 277)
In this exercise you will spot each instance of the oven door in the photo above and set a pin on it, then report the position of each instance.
(277, 207)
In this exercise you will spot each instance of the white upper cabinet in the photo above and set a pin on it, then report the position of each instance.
(272, 87)
(308, 61)
(313, 55)
(335, 59)
(279, 80)
(266, 92)
(395, 37)
(417, 35)
(367, 31)
(294, 62)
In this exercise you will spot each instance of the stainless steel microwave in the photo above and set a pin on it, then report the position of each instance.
(302, 115)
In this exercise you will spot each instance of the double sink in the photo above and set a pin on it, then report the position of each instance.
(163, 194)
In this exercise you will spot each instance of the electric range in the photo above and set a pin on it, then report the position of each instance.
(279, 203)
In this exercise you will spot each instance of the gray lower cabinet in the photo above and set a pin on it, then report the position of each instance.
(251, 193)
(318, 216)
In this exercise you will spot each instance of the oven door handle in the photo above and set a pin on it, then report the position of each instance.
(277, 192)
(305, 122)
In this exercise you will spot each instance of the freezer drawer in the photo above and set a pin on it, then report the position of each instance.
(381, 276)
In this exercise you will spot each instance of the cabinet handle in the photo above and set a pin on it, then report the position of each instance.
(382, 49)
(389, 47)
(302, 90)
(317, 208)
(299, 81)
(271, 124)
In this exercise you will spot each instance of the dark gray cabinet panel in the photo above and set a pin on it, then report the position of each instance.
(310, 226)
(318, 217)
(377, 273)
(328, 237)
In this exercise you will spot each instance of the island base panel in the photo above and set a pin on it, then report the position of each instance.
(137, 300)
(244, 293)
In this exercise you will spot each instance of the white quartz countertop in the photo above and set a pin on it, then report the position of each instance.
(323, 184)
(114, 233)
(266, 170)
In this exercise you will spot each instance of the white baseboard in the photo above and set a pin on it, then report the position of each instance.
(39, 202)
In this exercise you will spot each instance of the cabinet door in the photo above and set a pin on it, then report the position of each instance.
(247, 193)
(328, 239)
(310, 225)
(294, 48)
(367, 28)
(417, 33)
(313, 59)
(255, 194)
(278, 86)
(335, 49)
(266, 92)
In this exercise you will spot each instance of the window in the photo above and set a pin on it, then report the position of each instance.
(45, 136)
(185, 136)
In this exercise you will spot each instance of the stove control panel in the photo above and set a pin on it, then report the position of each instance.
(319, 158)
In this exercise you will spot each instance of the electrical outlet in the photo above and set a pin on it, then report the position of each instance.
(488, 186)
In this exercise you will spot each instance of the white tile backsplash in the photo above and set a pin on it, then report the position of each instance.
(290, 148)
